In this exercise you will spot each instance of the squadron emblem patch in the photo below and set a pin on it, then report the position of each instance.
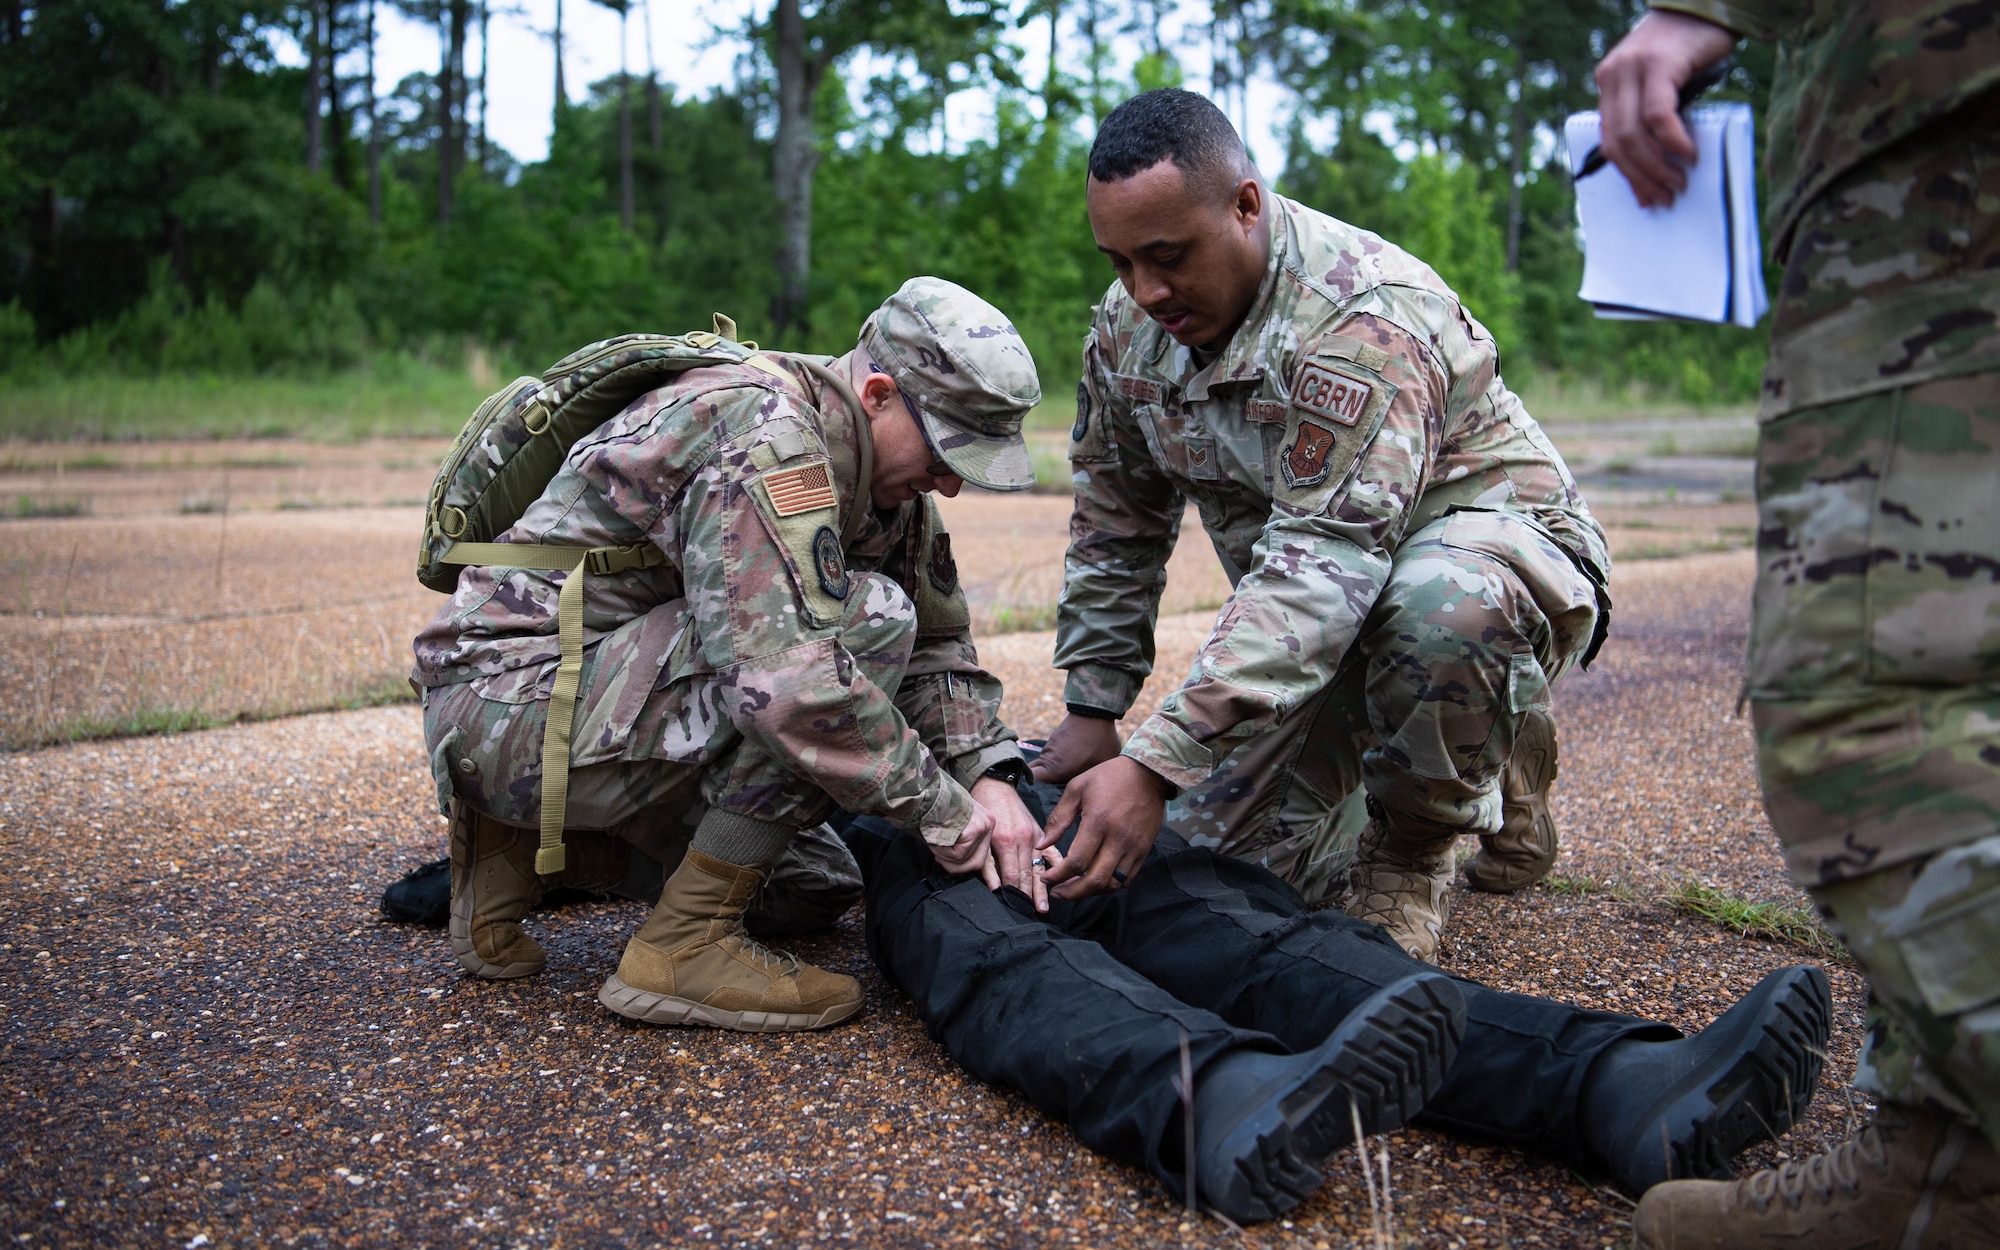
(1331, 394)
(1082, 426)
(942, 568)
(1305, 461)
(830, 564)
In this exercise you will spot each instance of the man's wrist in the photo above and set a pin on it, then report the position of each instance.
(1166, 789)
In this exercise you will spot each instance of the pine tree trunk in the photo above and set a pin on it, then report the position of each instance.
(315, 81)
(1517, 161)
(374, 131)
(1050, 79)
(793, 158)
(561, 99)
(461, 129)
(624, 131)
(343, 160)
(444, 139)
(485, 14)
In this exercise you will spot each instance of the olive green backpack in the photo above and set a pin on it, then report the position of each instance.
(506, 456)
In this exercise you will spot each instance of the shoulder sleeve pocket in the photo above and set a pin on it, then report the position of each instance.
(941, 606)
(1335, 407)
(799, 508)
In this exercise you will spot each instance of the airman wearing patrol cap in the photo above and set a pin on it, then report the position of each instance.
(804, 644)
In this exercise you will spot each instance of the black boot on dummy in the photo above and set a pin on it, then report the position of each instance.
(1657, 1111)
(1265, 1122)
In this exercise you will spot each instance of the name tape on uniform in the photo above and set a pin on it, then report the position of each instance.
(804, 489)
(1331, 393)
(1140, 388)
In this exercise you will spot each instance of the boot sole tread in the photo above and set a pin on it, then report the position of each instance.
(1712, 1115)
(649, 1007)
(1388, 1057)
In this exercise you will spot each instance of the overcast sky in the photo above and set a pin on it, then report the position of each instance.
(687, 54)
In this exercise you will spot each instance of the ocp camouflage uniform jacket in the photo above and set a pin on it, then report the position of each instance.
(1357, 403)
(742, 599)
(1856, 78)
(1853, 77)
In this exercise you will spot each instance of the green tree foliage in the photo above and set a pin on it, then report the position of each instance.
(157, 212)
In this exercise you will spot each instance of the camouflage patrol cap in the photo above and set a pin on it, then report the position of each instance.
(966, 373)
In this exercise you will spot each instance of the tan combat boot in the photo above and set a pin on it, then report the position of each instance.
(493, 885)
(692, 963)
(1913, 1180)
(1400, 883)
(1525, 848)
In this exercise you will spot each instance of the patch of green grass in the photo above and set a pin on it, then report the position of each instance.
(1673, 551)
(261, 462)
(1551, 397)
(1567, 886)
(14, 462)
(1664, 445)
(318, 505)
(1621, 465)
(1771, 922)
(36, 508)
(1023, 618)
(203, 505)
(394, 396)
(1741, 446)
(155, 720)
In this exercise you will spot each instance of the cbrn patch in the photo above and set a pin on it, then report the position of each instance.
(830, 564)
(1337, 396)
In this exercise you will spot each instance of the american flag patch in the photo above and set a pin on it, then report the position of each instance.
(804, 489)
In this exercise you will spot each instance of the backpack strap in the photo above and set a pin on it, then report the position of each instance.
(579, 563)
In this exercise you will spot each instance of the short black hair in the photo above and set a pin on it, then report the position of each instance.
(1168, 124)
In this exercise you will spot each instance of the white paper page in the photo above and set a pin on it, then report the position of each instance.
(1673, 261)
(1748, 300)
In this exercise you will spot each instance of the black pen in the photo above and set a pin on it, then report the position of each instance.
(1691, 90)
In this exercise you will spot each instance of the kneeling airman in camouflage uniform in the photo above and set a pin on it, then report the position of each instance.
(1413, 564)
(786, 656)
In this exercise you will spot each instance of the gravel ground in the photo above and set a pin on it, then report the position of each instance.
(207, 1036)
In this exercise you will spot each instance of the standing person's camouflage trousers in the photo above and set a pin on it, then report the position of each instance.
(1875, 651)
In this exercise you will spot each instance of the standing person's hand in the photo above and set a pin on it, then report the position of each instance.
(1119, 804)
(1079, 744)
(970, 852)
(1638, 88)
(1012, 845)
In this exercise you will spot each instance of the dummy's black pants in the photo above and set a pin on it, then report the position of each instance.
(1083, 1010)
